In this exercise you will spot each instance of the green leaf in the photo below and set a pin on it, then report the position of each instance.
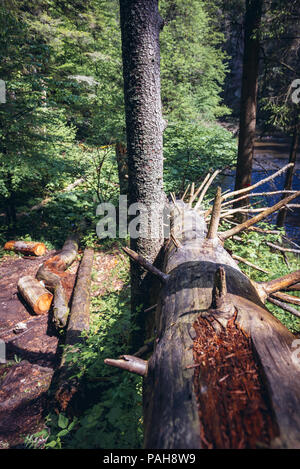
(62, 421)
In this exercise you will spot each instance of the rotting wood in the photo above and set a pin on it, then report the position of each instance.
(26, 247)
(35, 295)
(51, 272)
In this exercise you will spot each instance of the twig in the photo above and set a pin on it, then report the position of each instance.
(288, 308)
(257, 194)
(185, 192)
(241, 259)
(257, 218)
(205, 189)
(263, 181)
(280, 248)
(294, 300)
(200, 188)
(281, 283)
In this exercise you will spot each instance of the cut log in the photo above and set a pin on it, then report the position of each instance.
(26, 247)
(67, 386)
(51, 271)
(222, 373)
(35, 295)
(80, 309)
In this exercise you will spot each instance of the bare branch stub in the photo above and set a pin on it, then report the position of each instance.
(129, 363)
(146, 264)
(215, 217)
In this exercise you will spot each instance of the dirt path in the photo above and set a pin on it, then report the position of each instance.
(32, 353)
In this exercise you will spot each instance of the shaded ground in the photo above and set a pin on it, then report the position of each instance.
(32, 352)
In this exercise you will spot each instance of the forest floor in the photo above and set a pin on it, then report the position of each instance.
(32, 352)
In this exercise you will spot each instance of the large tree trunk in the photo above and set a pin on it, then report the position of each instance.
(222, 373)
(140, 25)
(248, 95)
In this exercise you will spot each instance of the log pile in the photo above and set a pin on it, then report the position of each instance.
(47, 293)
(51, 272)
(223, 372)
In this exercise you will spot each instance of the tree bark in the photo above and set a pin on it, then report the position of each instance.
(248, 95)
(122, 162)
(67, 384)
(140, 27)
(222, 374)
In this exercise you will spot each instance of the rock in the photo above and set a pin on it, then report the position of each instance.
(20, 327)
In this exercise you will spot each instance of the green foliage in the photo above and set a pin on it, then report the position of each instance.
(253, 248)
(192, 65)
(191, 150)
(112, 414)
(114, 420)
(280, 24)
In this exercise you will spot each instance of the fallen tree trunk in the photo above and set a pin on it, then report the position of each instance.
(67, 386)
(51, 273)
(35, 295)
(26, 247)
(223, 372)
(230, 399)
(80, 310)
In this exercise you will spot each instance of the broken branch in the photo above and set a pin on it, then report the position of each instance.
(215, 217)
(146, 264)
(263, 181)
(288, 308)
(129, 363)
(227, 234)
